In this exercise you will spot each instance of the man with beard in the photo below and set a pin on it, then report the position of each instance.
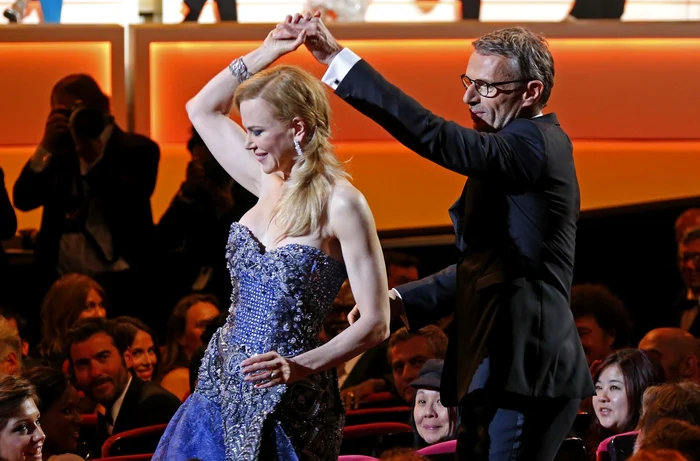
(100, 369)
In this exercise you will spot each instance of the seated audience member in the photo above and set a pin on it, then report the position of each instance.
(677, 350)
(8, 228)
(70, 298)
(620, 381)
(186, 324)
(673, 434)
(684, 312)
(679, 401)
(141, 344)
(602, 321)
(60, 419)
(431, 421)
(21, 437)
(10, 349)
(194, 228)
(406, 354)
(401, 268)
(19, 323)
(99, 370)
(658, 455)
(198, 355)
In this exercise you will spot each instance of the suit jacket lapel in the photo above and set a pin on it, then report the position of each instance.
(129, 405)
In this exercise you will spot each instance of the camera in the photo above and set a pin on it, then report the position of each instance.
(87, 123)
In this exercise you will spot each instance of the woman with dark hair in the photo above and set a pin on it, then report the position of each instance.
(187, 322)
(72, 297)
(60, 419)
(620, 381)
(431, 421)
(141, 345)
(21, 437)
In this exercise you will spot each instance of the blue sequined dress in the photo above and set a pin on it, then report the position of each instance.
(279, 301)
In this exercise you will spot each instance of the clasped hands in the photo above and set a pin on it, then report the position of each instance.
(307, 29)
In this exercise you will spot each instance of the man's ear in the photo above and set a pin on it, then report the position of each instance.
(12, 363)
(533, 93)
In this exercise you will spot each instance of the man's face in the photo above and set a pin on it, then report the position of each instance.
(99, 368)
(398, 275)
(689, 264)
(407, 359)
(492, 113)
(670, 358)
(596, 342)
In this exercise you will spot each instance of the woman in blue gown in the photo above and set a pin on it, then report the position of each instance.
(267, 388)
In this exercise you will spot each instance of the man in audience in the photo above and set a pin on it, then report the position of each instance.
(684, 313)
(673, 434)
(400, 268)
(406, 354)
(679, 401)
(196, 223)
(602, 321)
(10, 349)
(101, 371)
(94, 182)
(677, 350)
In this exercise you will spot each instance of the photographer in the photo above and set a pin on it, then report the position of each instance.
(195, 226)
(94, 182)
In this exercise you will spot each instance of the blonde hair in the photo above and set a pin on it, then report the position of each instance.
(293, 92)
(62, 306)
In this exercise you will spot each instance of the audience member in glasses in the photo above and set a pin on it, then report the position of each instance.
(515, 346)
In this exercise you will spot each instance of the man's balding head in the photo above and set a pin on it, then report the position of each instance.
(678, 351)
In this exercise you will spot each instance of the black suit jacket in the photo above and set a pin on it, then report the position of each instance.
(8, 227)
(515, 224)
(373, 364)
(145, 404)
(123, 181)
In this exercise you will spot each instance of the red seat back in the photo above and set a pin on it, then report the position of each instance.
(147, 435)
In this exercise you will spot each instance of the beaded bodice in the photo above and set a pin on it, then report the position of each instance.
(279, 301)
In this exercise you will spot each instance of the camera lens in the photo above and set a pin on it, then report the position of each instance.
(87, 123)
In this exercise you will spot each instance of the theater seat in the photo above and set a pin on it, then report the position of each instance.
(378, 415)
(373, 439)
(135, 441)
(571, 449)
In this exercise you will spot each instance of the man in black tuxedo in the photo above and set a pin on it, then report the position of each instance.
(94, 182)
(100, 368)
(514, 362)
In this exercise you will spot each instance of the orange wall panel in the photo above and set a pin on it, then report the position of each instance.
(29, 71)
(407, 191)
(604, 88)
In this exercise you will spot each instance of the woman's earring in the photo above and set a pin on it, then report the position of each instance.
(297, 147)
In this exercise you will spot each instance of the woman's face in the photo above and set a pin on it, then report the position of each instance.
(143, 354)
(22, 438)
(610, 402)
(432, 419)
(61, 423)
(269, 139)
(94, 306)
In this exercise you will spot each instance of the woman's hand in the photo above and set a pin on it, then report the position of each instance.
(278, 47)
(270, 369)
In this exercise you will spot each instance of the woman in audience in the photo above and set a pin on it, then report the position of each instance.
(141, 344)
(658, 455)
(60, 419)
(431, 421)
(70, 298)
(620, 381)
(21, 437)
(186, 324)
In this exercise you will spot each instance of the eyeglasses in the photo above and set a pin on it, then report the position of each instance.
(486, 89)
(685, 258)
